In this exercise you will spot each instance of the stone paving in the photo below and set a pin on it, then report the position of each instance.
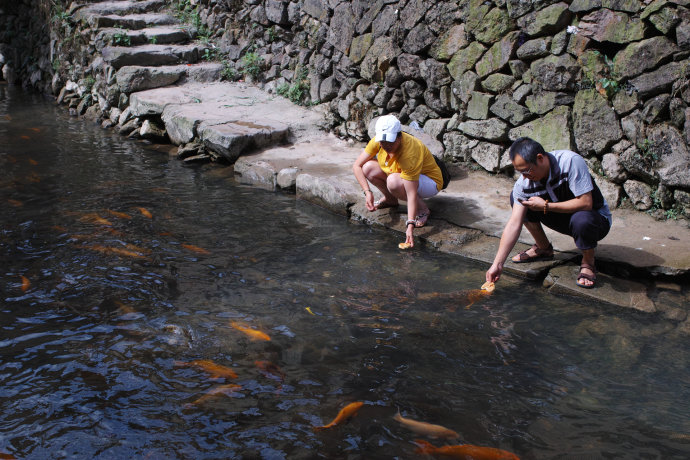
(277, 145)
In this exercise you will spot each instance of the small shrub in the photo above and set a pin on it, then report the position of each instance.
(121, 39)
(252, 64)
(297, 91)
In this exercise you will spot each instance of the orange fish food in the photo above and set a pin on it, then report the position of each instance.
(345, 414)
(465, 451)
(404, 245)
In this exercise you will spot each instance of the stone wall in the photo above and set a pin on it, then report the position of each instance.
(606, 78)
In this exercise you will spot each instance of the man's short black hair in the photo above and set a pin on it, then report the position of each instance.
(527, 148)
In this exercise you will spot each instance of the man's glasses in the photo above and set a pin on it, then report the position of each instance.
(526, 173)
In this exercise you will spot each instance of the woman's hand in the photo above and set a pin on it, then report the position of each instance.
(369, 201)
(408, 235)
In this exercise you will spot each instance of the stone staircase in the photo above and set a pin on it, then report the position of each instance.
(154, 83)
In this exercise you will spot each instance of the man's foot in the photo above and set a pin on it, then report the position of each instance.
(587, 276)
(534, 254)
(384, 203)
(421, 218)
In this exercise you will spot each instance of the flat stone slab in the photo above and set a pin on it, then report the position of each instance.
(119, 8)
(131, 21)
(150, 55)
(139, 78)
(616, 291)
(160, 35)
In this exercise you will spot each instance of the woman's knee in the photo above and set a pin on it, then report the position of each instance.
(394, 182)
(372, 170)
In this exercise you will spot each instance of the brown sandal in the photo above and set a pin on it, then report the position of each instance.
(592, 278)
(540, 254)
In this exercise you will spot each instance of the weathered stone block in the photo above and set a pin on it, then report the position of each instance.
(556, 73)
(613, 168)
(487, 155)
(360, 46)
(452, 41)
(493, 129)
(478, 107)
(498, 82)
(640, 194)
(659, 81)
(493, 26)
(465, 59)
(545, 101)
(641, 56)
(552, 131)
(546, 21)
(509, 110)
(595, 124)
(533, 49)
(498, 55)
(673, 153)
(605, 25)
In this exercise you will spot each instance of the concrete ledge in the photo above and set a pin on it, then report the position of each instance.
(616, 291)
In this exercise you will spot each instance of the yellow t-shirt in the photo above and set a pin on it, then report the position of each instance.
(413, 158)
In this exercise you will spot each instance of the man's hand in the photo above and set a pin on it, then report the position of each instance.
(493, 274)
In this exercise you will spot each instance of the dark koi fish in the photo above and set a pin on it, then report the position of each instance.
(465, 452)
(270, 370)
(345, 414)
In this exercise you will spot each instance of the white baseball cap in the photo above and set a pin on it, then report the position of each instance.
(387, 128)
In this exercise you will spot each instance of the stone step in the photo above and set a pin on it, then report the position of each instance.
(119, 8)
(160, 35)
(131, 21)
(139, 78)
(151, 55)
(229, 118)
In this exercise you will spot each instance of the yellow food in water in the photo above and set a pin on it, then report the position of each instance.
(489, 286)
(404, 245)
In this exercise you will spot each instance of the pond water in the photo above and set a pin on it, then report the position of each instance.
(127, 276)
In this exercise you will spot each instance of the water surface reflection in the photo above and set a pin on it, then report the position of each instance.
(127, 279)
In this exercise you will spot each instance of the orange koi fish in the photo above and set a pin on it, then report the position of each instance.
(426, 429)
(26, 138)
(33, 162)
(471, 296)
(121, 215)
(36, 130)
(196, 249)
(465, 451)
(252, 333)
(8, 118)
(3, 455)
(93, 218)
(59, 228)
(226, 390)
(345, 414)
(145, 212)
(217, 371)
(15, 203)
(270, 369)
(25, 283)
